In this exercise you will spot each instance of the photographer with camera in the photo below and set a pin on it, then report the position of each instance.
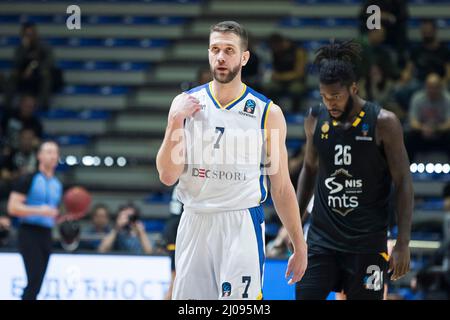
(128, 234)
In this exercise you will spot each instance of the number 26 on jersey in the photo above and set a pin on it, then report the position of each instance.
(342, 155)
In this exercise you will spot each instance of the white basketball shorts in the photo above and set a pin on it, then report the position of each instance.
(220, 255)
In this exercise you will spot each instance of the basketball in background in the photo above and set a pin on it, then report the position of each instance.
(77, 201)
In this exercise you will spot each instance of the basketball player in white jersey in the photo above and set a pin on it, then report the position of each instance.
(222, 141)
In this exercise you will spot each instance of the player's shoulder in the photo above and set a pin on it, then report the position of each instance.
(23, 183)
(197, 89)
(387, 122)
(275, 116)
(258, 95)
(28, 177)
(386, 117)
(58, 182)
(192, 92)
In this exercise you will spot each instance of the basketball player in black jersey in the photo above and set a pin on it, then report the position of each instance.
(354, 153)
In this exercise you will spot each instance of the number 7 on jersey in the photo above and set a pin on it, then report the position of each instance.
(220, 131)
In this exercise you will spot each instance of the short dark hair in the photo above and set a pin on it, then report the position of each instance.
(338, 62)
(69, 231)
(99, 206)
(429, 21)
(27, 25)
(28, 94)
(47, 141)
(276, 39)
(25, 129)
(129, 205)
(232, 27)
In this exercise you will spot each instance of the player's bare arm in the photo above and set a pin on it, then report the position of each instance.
(307, 177)
(283, 193)
(390, 134)
(170, 161)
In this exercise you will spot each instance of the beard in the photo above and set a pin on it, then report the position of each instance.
(347, 110)
(232, 73)
(428, 39)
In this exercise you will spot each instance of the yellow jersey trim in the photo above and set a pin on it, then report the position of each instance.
(230, 103)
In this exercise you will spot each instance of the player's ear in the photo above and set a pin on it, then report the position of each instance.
(245, 57)
(354, 88)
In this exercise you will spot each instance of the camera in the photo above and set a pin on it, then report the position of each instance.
(133, 217)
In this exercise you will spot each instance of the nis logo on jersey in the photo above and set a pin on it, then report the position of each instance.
(344, 190)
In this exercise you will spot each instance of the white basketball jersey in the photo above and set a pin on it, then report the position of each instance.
(225, 148)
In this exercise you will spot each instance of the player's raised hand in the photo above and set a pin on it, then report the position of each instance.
(399, 261)
(184, 106)
(297, 264)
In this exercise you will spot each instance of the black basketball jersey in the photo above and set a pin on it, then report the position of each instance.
(352, 191)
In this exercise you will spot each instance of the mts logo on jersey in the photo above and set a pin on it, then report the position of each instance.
(344, 190)
(218, 174)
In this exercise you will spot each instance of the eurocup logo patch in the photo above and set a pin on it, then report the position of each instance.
(226, 289)
(365, 129)
(365, 133)
(250, 106)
